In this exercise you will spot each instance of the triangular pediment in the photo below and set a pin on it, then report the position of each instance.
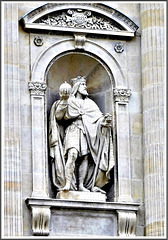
(79, 17)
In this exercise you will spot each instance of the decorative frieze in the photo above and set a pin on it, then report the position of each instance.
(41, 220)
(126, 223)
(37, 88)
(122, 95)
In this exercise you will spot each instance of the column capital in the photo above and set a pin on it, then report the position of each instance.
(122, 95)
(37, 88)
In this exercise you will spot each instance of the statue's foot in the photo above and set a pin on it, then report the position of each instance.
(66, 188)
(96, 189)
(83, 189)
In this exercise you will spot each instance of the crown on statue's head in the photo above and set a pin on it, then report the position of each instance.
(78, 79)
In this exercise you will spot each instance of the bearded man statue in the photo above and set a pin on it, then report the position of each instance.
(80, 140)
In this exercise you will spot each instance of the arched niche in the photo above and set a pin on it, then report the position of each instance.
(100, 85)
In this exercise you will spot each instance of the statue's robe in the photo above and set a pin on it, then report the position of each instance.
(99, 140)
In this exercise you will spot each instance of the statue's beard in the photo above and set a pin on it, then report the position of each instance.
(84, 93)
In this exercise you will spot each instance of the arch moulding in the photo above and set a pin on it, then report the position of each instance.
(44, 59)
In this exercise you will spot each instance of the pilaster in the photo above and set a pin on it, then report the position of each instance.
(37, 91)
(13, 225)
(123, 144)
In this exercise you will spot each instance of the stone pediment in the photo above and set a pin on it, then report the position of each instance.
(81, 18)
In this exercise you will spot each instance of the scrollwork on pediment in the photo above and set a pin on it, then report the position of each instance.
(78, 18)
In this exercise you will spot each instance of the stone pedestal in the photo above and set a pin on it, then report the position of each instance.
(82, 219)
(82, 196)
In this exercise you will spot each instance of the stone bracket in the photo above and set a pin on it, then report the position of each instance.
(40, 220)
(126, 223)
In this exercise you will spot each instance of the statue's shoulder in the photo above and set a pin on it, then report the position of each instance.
(54, 105)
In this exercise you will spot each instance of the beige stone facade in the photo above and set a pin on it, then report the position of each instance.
(129, 82)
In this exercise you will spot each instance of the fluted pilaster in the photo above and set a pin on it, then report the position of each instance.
(153, 85)
(12, 161)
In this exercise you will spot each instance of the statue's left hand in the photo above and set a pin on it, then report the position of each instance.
(107, 120)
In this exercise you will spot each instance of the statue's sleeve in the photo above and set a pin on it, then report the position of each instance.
(61, 110)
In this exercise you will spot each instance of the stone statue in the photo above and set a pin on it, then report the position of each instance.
(80, 140)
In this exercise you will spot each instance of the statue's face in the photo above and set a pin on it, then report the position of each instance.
(83, 89)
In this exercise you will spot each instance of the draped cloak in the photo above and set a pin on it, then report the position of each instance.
(99, 140)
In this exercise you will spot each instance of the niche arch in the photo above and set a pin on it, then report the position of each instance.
(46, 57)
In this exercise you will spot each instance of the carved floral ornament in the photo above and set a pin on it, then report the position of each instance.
(38, 41)
(118, 48)
(37, 88)
(78, 18)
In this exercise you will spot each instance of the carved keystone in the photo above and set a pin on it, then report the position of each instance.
(79, 40)
(40, 221)
(126, 223)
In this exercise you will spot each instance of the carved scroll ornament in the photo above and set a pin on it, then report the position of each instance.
(126, 224)
(40, 221)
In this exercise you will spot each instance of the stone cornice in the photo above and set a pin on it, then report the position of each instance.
(108, 206)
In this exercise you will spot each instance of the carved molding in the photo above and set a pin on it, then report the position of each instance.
(122, 95)
(37, 88)
(41, 221)
(126, 223)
